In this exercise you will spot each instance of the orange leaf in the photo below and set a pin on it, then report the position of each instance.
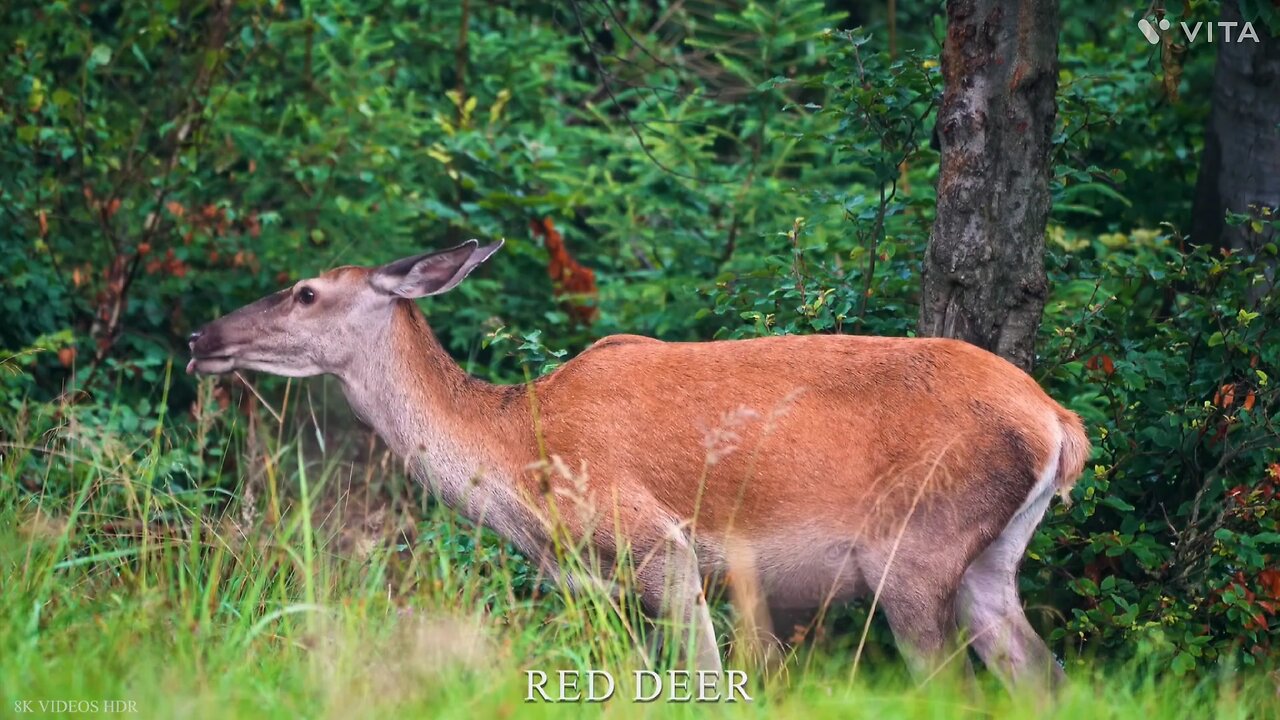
(1101, 362)
(569, 276)
(1270, 579)
(1226, 396)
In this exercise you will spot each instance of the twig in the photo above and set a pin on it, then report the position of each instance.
(258, 395)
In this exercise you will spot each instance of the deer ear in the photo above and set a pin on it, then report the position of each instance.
(431, 273)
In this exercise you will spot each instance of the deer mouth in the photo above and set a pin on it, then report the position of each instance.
(210, 364)
(209, 354)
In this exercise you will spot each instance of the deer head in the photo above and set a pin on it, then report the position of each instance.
(321, 323)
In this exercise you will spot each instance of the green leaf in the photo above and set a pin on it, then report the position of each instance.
(101, 55)
(1116, 503)
(142, 59)
(1086, 587)
(1183, 663)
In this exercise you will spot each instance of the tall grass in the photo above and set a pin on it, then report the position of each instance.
(118, 587)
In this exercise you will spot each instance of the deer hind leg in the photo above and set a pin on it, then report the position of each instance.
(922, 615)
(670, 586)
(991, 611)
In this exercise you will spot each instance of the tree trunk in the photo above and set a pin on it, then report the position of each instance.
(1240, 166)
(984, 278)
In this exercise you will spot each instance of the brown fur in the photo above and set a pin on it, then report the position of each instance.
(856, 421)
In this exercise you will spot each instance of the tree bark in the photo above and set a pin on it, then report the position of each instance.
(983, 277)
(1240, 166)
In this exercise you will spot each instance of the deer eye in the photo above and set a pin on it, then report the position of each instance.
(306, 295)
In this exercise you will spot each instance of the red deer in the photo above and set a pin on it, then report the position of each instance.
(915, 469)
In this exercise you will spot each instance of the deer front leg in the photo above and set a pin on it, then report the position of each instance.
(671, 587)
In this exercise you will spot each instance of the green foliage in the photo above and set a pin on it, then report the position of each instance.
(1124, 109)
(862, 234)
(1170, 359)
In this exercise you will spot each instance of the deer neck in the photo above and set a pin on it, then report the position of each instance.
(459, 435)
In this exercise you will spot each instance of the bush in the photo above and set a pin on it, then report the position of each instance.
(1171, 544)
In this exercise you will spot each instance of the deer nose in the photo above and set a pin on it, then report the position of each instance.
(191, 340)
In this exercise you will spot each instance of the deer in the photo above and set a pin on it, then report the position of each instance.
(910, 470)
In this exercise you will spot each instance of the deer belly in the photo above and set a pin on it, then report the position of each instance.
(792, 572)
